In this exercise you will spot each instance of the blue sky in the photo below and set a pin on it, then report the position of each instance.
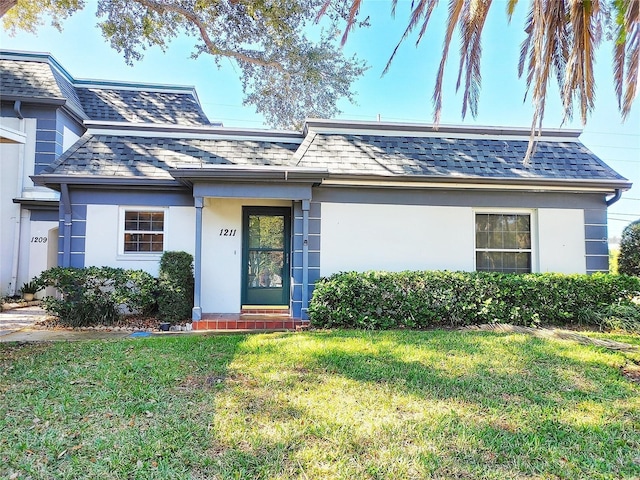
(403, 94)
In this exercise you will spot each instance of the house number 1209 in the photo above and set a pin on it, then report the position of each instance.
(226, 232)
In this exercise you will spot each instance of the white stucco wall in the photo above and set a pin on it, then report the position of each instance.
(68, 138)
(561, 240)
(404, 237)
(39, 251)
(103, 230)
(12, 187)
(222, 255)
(395, 237)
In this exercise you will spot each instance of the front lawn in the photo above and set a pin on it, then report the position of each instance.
(318, 405)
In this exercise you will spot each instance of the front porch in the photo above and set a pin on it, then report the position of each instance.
(248, 321)
(253, 233)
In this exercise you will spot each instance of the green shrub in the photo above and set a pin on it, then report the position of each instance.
(97, 295)
(379, 300)
(175, 284)
(30, 287)
(629, 258)
(624, 317)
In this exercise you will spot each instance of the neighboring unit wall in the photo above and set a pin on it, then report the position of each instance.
(16, 163)
(9, 212)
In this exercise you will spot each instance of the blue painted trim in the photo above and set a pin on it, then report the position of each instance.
(65, 207)
(598, 263)
(134, 197)
(44, 215)
(305, 256)
(196, 312)
(514, 199)
(280, 191)
(597, 247)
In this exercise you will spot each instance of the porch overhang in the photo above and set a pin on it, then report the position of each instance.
(250, 181)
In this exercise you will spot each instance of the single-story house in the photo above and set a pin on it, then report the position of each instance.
(266, 213)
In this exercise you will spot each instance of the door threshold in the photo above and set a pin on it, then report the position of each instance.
(265, 309)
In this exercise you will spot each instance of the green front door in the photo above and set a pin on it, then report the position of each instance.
(265, 255)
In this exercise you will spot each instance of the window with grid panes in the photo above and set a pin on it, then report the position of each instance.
(143, 231)
(503, 242)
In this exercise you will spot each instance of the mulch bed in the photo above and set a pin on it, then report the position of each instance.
(133, 323)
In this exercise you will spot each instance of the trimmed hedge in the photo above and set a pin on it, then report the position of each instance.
(423, 299)
(95, 295)
(629, 258)
(175, 282)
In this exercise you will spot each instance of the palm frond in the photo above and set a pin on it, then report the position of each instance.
(422, 11)
(632, 29)
(472, 21)
(353, 13)
(579, 82)
(511, 7)
(455, 9)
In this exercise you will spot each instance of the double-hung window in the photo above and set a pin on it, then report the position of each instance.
(143, 231)
(503, 242)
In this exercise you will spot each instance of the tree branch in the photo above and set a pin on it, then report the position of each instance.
(161, 8)
(6, 5)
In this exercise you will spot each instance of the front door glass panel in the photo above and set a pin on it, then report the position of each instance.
(266, 256)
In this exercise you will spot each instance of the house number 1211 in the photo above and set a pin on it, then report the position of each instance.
(226, 232)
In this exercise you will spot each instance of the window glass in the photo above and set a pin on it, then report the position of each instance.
(503, 242)
(266, 231)
(143, 232)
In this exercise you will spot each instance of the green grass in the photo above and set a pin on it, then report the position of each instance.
(318, 405)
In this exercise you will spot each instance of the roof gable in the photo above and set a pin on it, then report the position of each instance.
(139, 106)
(28, 79)
(39, 77)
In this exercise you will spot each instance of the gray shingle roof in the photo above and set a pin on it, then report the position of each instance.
(141, 106)
(28, 79)
(451, 157)
(38, 79)
(340, 154)
(152, 157)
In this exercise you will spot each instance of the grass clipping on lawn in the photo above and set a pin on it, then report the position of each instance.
(348, 405)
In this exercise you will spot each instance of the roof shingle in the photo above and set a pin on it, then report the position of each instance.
(37, 78)
(340, 154)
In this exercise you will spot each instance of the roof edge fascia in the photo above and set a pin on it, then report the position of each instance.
(253, 173)
(95, 127)
(27, 100)
(52, 180)
(353, 126)
(425, 181)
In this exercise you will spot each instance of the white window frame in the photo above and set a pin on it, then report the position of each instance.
(122, 255)
(533, 226)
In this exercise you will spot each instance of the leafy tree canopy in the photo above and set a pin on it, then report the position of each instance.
(286, 74)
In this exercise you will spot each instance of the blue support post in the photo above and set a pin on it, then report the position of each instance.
(305, 259)
(196, 313)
